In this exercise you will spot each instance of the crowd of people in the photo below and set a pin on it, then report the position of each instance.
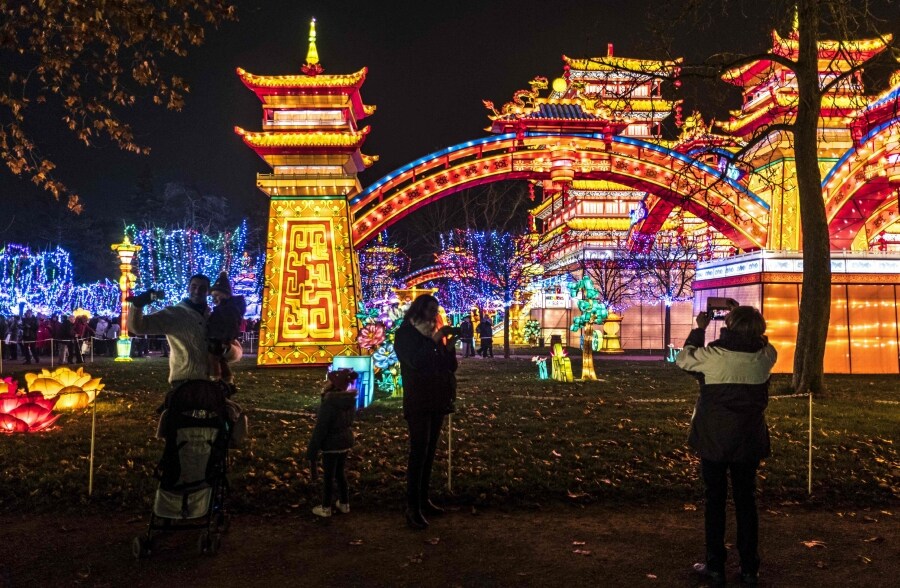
(33, 336)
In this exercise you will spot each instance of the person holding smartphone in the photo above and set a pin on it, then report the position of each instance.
(427, 365)
(729, 430)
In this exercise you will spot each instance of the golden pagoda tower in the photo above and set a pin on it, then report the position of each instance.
(311, 140)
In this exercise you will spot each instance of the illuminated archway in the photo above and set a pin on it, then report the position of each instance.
(861, 190)
(429, 274)
(672, 177)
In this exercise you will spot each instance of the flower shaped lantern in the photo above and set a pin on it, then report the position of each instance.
(23, 413)
(73, 390)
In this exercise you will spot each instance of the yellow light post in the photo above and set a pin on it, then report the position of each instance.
(126, 252)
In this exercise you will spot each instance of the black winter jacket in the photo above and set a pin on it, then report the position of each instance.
(427, 369)
(224, 322)
(729, 423)
(334, 423)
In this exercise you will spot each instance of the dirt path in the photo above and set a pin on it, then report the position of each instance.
(558, 545)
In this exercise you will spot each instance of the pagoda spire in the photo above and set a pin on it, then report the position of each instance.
(312, 67)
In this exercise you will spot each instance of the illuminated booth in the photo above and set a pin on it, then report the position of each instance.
(863, 336)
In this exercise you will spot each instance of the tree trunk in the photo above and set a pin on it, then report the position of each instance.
(815, 296)
(667, 328)
(587, 354)
(506, 333)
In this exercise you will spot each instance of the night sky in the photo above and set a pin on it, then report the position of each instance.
(430, 66)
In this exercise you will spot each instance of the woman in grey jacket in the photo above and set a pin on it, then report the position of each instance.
(728, 429)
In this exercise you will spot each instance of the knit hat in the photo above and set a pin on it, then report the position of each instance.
(221, 285)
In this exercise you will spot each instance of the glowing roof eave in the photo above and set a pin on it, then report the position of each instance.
(266, 84)
(599, 224)
(858, 50)
(784, 102)
(648, 66)
(344, 141)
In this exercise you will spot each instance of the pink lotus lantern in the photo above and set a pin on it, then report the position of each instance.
(24, 413)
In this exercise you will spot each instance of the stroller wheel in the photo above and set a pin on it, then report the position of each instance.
(223, 522)
(208, 544)
(140, 547)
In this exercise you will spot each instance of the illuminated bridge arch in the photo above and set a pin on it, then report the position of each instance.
(428, 274)
(861, 190)
(674, 179)
(433, 273)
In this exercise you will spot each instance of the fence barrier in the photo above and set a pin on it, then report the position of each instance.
(249, 341)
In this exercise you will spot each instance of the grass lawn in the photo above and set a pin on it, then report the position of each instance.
(515, 440)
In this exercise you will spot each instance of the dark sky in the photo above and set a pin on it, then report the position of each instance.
(430, 65)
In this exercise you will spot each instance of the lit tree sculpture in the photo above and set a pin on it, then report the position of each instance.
(593, 312)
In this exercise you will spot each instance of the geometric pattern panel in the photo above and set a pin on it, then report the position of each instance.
(309, 296)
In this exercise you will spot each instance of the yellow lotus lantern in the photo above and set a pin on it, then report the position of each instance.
(73, 390)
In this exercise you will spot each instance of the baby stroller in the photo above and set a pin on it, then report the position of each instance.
(192, 472)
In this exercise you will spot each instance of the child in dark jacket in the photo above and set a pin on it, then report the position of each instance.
(333, 436)
(223, 327)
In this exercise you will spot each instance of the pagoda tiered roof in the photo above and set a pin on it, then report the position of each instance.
(556, 114)
(340, 140)
(545, 208)
(833, 56)
(610, 63)
(781, 101)
(283, 90)
(770, 90)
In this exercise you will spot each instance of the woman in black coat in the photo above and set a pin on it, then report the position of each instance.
(427, 366)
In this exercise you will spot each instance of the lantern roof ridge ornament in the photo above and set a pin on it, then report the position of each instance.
(312, 67)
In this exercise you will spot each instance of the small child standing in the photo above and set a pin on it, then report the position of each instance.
(333, 436)
(223, 327)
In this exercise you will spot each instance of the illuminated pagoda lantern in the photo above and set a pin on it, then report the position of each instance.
(616, 97)
(859, 154)
(598, 214)
(311, 139)
(771, 97)
(879, 229)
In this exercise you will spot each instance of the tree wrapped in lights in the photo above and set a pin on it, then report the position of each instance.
(40, 279)
(667, 270)
(44, 282)
(379, 266)
(169, 258)
(459, 291)
(502, 266)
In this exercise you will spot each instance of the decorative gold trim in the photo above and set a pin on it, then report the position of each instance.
(621, 63)
(268, 139)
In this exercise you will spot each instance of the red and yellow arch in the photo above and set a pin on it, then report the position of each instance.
(861, 190)
(672, 177)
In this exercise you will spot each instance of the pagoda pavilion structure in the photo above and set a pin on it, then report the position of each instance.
(859, 156)
(597, 214)
(311, 140)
